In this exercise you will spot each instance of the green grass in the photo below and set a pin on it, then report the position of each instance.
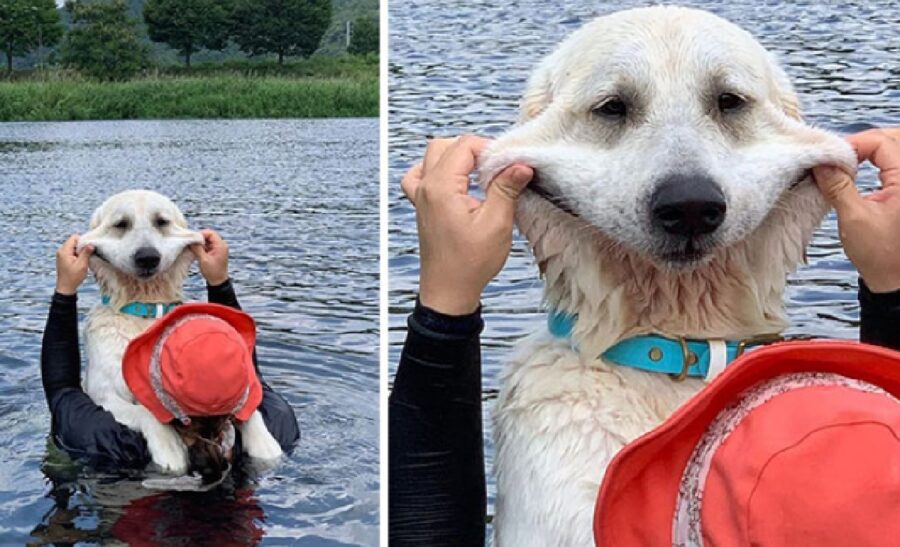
(221, 94)
(318, 66)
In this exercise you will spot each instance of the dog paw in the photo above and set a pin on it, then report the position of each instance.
(258, 442)
(264, 448)
(167, 450)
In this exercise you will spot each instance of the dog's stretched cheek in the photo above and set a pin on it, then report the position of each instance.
(186, 236)
(525, 143)
(179, 243)
(813, 146)
(92, 237)
(191, 236)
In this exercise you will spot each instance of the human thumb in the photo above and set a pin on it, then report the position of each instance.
(198, 250)
(84, 255)
(837, 186)
(505, 189)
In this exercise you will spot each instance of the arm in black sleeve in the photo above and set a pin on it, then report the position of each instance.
(879, 317)
(78, 426)
(436, 487)
(224, 295)
(277, 414)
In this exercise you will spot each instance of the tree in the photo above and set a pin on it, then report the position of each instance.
(188, 25)
(284, 27)
(26, 25)
(364, 37)
(102, 42)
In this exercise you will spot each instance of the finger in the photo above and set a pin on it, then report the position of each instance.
(891, 194)
(210, 235)
(472, 203)
(435, 149)
(451, 174)
(892, 132)
(411, 181)
(504, 191)
(838, 188)
(212, 241)
(199, 250)
(461, 156)
(69, 245)
(883, 150)
(84, 256)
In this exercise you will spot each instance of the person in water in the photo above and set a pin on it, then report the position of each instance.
(436, 484)
(225, 383)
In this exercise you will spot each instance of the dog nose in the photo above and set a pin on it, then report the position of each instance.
(688, 205)
(146, 258)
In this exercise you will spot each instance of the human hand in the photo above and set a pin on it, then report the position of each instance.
(71, 265)
(212, 256)
(463, 242)
(869, 225)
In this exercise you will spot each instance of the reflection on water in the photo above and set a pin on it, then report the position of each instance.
(297, 202)
(461, 67)
(115, 507)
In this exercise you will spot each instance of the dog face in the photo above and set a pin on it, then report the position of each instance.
(670, 131)
(139, 233)
(140, 240)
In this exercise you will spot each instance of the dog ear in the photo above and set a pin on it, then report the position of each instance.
(95, 218)
(534, 101)
(538, 93)
(790, 105)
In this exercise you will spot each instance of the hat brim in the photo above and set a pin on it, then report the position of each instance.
(136, 361)
(651, 467)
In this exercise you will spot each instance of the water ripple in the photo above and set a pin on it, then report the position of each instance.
(297, 202)
(461, 67)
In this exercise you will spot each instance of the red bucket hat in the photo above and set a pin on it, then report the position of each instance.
(795, 444)
(195, 361)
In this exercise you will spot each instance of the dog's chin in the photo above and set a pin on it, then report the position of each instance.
(684, 255)
(146, 275)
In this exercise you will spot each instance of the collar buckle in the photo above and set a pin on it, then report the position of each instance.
(688, 359)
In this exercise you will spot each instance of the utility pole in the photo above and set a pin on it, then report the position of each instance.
(349, 32)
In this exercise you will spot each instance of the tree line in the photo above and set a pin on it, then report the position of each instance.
(103, 42)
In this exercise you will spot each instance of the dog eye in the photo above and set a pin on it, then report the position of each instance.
(729, 102)
(162, 222)
(122, 224)
(613, 107)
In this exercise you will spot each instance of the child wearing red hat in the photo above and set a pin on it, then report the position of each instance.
(195, 367)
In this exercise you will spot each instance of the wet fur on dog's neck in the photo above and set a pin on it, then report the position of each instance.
(164, 288)
(618, 293)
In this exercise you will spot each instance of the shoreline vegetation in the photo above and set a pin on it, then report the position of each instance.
(318, 87)
(183, 59)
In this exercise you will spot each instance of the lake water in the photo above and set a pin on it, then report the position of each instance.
(461, 67)
(298, 203)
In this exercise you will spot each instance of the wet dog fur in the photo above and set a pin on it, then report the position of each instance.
(630, 102)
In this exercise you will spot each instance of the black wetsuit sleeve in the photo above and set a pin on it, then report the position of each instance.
(436, 487)
(83, 429)
(277, 414)
(879, 317)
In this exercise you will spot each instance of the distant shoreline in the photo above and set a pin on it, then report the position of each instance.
(312, 89)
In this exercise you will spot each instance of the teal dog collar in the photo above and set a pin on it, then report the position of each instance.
(143, 309)
(678, 357)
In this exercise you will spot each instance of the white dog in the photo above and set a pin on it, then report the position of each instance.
(141, 255)
(672, 197)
